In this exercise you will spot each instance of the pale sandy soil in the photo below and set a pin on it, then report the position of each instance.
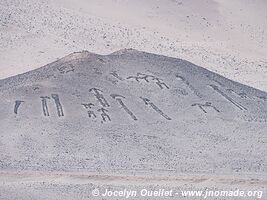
(227, 37)
(70, 186)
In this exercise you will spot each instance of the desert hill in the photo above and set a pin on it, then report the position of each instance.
(131, 113)
(130, 110)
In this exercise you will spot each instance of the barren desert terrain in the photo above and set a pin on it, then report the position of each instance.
(224, 36)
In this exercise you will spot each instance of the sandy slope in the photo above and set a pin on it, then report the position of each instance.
(228, 37)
